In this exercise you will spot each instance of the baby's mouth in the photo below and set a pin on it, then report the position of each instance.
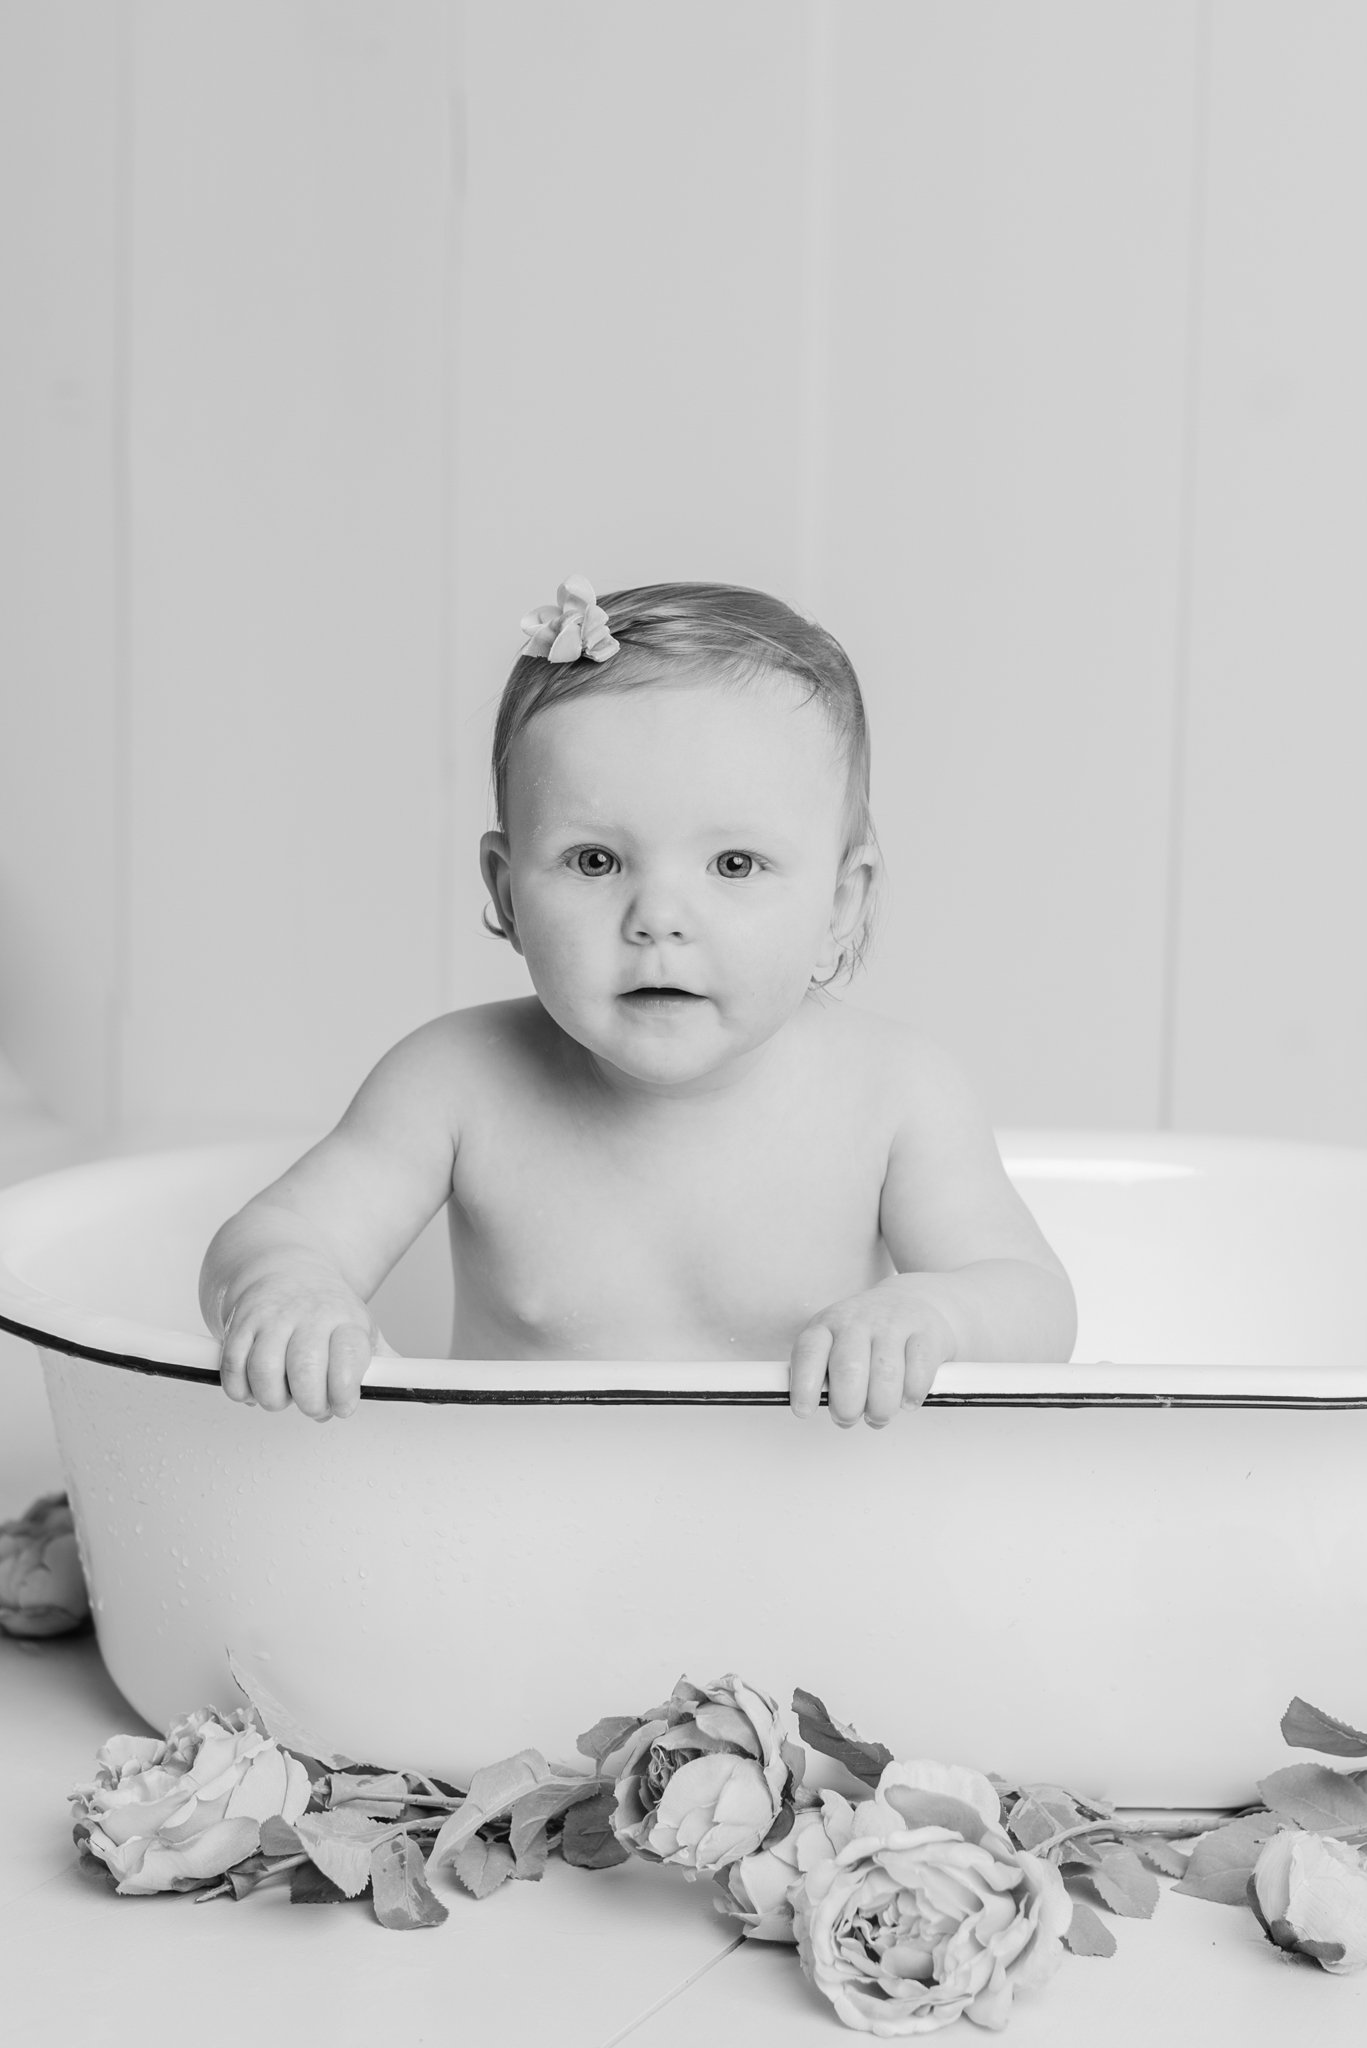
(647, 998)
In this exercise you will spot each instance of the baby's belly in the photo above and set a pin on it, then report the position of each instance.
(641, 1308)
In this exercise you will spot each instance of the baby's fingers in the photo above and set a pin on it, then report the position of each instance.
(349, 1354)
(232, 1365)
(926, 1351)
(847, 1376)
(306, 1367)
(807, 1369)
(887, 1377)
(266, 1376)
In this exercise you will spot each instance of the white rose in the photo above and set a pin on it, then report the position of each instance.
(1310, 1893)
(702, 1781)
(42, 1587)
(169, 1816)
(758, 1889)
(915, 1922)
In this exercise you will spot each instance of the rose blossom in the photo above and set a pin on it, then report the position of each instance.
(702, 1781)
(758, 1889)
(167, 1816)
(42, 1588)
(1309, 1892)
(929, 1911)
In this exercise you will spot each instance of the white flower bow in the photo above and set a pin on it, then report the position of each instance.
(575, 625)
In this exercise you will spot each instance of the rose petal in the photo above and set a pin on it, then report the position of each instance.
(948, 1781)
(209, 1855)
(1328, 1886)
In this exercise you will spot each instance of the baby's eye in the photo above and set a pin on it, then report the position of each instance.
(591, 853)
(734, 874)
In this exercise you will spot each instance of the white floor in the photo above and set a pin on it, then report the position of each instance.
(579, 1960)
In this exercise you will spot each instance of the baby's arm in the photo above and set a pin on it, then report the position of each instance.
(286, 1280)
(975, 1276)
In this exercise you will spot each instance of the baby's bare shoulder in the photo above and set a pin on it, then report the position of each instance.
(434, 1073)
(911, 1075)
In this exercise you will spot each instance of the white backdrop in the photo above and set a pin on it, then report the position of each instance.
(1019, 339)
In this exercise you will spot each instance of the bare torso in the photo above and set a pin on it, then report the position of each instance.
(580, 1228)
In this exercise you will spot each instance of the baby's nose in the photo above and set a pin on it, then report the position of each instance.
(657, 911)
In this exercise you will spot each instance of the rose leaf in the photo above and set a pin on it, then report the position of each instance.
(309, 1886)
(607, 1735)
(1307, 1727)
(493, 1790)
(340, 1844)
(863, 1760)
(1221, 1863)
(481, 1866)
(278, 1838)
(1158, 1851)
(1087, 1935)
(588, 1842)
(400, 1893)
(529, 1820)
(1314, 1796)
(530, 1852)
(1123, 1882)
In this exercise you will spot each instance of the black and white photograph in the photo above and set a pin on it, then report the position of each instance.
(683, 1023)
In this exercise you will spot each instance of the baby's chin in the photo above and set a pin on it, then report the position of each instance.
(678, 1050)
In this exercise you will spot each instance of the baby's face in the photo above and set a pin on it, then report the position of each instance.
(681, 835)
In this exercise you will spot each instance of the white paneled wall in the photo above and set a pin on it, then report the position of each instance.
(62, 596)
(1002, 530)
(294, 224)
(1272, 977)
(1020, 341)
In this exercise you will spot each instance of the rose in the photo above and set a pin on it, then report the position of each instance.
(702, 1779)
(1310, 1894)
(928, 1911)
(168, 1816)
(42, 1588)
(759, 1889)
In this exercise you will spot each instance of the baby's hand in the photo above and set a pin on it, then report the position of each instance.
(876, 1352)
(310, 1341)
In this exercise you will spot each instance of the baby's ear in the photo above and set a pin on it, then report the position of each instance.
(854, 892)
(495, 862)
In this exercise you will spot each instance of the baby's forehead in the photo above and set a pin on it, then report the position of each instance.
(682, 743)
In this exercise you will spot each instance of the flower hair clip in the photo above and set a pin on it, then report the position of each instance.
(575, 626)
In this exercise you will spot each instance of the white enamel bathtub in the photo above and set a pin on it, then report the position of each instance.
(1114, 1574)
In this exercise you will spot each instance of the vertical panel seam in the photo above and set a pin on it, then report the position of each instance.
(1186, 564)
(448, 568)
(817, 207)
(115, 1104)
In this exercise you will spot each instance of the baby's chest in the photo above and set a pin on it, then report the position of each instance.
(733, 1242)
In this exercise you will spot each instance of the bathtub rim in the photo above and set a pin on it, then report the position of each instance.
(52, 1324)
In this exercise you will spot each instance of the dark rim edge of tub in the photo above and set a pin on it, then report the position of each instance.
(618, 1397)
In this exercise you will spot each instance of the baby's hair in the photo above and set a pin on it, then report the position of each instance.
(737, 636)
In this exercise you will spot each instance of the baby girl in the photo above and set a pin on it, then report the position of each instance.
(680, 1146)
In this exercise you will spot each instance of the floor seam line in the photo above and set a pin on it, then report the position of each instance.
(677, 1992)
